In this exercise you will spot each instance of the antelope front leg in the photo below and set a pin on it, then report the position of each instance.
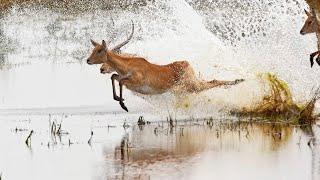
(313, 55)
(121, 83)
(115, 77)
(318, 58)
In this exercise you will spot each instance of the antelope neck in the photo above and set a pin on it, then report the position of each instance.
(117, 62)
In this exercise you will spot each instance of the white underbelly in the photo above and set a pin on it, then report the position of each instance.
(146, 90)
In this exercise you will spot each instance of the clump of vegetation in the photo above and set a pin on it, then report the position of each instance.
(279, 105)
(141, 121)
(210, 122)
(56, 129)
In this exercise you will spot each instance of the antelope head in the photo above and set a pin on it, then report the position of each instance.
(310, 25)
(99, 52)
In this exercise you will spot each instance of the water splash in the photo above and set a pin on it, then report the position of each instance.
(221, 39)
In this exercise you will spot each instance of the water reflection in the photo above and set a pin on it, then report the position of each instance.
(188, 150)
(155, 150)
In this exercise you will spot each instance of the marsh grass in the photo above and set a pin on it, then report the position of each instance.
(278, 104)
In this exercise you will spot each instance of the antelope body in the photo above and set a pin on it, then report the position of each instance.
(141, 76)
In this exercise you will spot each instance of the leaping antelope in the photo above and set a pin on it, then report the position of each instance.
(312, 25)
(141, 76)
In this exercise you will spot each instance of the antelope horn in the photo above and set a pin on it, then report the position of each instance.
(117, 47)
(113, 33)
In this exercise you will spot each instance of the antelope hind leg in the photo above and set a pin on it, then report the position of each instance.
(217, 83)
(237, 81)
(227, 84)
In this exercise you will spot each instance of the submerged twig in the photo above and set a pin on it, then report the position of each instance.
(111, 126)
(125, 125)
(29, 138)
(19, 129)
(90, 139)
(171, 122)
(53, 128)
(59, 129)
(155, 131)
(181, 131)
(70, 143)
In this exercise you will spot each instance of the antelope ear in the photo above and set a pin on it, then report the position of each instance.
(307, 13)
(93, 42)
(104, 44)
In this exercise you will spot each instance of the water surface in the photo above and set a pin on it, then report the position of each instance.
(191, 149)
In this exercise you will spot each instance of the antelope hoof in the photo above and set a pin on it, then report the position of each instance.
(123, 106)
(311, 60)
(117, 98)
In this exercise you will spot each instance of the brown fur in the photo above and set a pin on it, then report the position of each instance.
(310, 25)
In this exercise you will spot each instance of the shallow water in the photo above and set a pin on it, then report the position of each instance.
(190, 150)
